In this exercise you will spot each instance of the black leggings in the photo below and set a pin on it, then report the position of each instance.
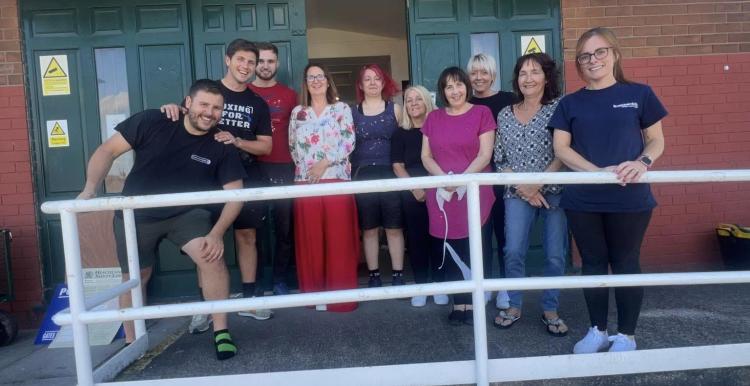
(422, 254)
(611, 240)
(452, 271)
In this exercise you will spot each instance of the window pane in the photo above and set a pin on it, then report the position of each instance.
(488, 44)
(114, 107)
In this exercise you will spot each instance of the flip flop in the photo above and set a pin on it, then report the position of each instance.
(557, 322)
(504, 316)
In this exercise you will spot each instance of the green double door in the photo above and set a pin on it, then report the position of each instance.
(444, 33)
(114, 58)
(91, 64)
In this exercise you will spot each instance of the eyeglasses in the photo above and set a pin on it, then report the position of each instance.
(313, 78)
(599, 54)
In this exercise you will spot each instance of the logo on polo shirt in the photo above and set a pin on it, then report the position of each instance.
(631, 105)
(200, 159)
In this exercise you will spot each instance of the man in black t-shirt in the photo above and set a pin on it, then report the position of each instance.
(246, 125)
(176, 157)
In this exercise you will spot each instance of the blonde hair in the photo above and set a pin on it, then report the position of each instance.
(406, 121)
(482, 62)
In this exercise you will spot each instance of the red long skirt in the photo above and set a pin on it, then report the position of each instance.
(326, 237)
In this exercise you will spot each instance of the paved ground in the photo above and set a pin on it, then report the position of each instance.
(392, 332)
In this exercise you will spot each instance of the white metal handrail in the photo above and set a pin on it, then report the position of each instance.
(80, 315)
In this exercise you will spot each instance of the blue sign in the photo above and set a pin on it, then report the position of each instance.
(48, 331)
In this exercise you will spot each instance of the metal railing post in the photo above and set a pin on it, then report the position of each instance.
(477, 276)
(74, 276)
(134, 267)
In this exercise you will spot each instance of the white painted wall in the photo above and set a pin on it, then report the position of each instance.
(332, 43)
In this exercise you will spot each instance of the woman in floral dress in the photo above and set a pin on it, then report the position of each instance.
(321, 137)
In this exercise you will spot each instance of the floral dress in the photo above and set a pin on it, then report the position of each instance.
(313, 138)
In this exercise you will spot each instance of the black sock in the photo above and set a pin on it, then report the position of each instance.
(225, 347)
(375, 272)
(397, 272)
(248, 290)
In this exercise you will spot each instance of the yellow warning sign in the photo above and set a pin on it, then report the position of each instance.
(532, 44)
(55, 78)
(57, 133)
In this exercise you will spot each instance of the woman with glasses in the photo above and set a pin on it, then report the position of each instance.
(611, 125)
(524, 145)
(321, 137)
(375, 121)
(457, 139)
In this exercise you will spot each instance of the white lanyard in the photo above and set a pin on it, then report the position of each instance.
(441, 196)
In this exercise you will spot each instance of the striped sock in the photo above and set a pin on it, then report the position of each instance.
(225, 347)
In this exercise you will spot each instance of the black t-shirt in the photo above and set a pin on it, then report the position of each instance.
(406, 148)
(496, 102)
(168, 159)
(246, 115)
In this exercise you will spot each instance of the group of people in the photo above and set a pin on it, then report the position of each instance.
(233, 134)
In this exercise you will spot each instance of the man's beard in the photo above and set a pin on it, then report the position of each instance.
(260, 75)
(193, 118)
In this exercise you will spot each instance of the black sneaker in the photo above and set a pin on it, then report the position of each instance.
(456, 317)
(375, 282)
(397, 280)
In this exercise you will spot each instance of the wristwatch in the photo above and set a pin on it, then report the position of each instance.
(646, 160)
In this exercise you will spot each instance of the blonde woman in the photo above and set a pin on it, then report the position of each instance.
(482, 70)
(406, 150)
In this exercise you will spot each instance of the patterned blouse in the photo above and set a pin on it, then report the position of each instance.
(525, 148)
(330, 136)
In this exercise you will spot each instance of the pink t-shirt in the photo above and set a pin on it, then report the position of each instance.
(454, 143)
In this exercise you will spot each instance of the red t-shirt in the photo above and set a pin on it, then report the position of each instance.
(281, 100)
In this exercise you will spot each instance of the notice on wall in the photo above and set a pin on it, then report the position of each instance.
(55, 75)
(532, 44)
(57, 133)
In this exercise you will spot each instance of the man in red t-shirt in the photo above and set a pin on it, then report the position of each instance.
(277, 167)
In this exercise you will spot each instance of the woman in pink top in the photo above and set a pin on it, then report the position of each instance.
(457, 139)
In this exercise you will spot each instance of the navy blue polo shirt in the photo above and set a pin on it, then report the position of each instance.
(606, 129)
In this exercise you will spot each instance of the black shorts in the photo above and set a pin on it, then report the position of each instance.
(179, 229)
(378, 209)
(253, 212)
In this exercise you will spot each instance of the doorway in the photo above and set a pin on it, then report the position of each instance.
(357, 33)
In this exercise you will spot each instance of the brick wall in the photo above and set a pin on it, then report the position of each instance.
(17, 206)
(696, 57)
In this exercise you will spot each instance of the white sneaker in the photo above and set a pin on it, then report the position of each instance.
(622, 342)
(260, 314)
(487, 296)
(503, 300)
(419, 301)
(200, 324)
(321, 307)
(441, 299)
(594, 341)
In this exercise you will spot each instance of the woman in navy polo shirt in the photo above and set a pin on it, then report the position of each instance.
(610, 125)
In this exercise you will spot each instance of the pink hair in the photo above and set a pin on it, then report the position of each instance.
(390, 88)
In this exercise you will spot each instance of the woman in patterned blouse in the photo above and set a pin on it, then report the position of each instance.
(321, 137)
(524, 145)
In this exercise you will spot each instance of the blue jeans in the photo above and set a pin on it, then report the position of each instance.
(519, 218)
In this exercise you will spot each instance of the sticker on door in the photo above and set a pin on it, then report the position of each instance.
(55, 75)
(57, 133)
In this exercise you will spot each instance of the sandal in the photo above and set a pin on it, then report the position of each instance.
(504, 316)
(557, 324)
